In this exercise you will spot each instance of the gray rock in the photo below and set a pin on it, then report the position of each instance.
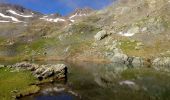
(100, 35)
(137, 61)
(2, 66)
(119, 58)
(44, 71)
(164, 61)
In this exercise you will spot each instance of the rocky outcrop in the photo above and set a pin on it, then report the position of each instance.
(43, 71)
(164, 61)
(100, 35)
(120, 57)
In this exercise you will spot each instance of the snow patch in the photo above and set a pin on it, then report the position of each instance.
(71, 17)
(53, 20)
(13, 18)
(128, 34)
(3, 21)
(72, 21)
(15, 13)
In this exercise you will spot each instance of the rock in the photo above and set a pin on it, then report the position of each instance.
(119, 58)
(139, 46)
(25, 65)
(164, 61)
(44, 71)
(137, 61)
(100, 35)
(2, 66)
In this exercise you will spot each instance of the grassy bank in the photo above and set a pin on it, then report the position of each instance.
(15, 83)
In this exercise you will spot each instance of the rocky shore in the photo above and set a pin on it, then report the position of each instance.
(41, 72)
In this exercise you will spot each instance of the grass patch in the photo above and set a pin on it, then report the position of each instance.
(83, 28)
(127, 45)
(10, 81)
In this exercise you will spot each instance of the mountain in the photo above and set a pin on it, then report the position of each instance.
(129, 31)
(16, 13)
(79, 13)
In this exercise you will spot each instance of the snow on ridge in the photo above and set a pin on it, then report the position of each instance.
(53, 20)
(128, 34)
(72, 21)
(15, 13)
(76, 15)
(13, 18)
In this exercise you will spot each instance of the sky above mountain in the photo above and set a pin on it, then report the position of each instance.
(63, 7)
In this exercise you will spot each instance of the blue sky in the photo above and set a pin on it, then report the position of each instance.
(63, 7)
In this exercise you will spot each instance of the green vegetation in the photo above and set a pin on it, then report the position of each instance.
(14, 83)
(83, 28)
(127, 45)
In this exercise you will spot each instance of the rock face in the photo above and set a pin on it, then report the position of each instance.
(44, 71)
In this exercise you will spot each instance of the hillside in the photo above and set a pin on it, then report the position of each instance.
(129, 31)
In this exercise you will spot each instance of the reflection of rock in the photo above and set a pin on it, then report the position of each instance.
(52, 89)
(107, 75)
(73, 93)
(44, 71)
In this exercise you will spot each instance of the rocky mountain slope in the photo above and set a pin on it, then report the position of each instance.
(129, 31)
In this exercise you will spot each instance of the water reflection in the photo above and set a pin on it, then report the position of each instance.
(91, 81)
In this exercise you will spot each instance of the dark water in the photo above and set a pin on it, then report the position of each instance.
(90, 81)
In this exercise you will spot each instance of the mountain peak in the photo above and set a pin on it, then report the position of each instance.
(83, 10)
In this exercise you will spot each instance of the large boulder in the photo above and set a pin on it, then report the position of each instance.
(100, 35)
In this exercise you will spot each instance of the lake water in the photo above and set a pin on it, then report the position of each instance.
(90, 81)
